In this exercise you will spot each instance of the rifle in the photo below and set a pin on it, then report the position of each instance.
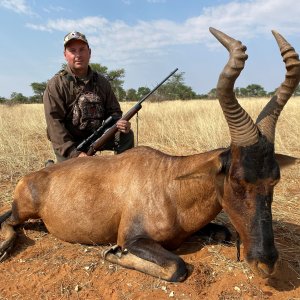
(106, 124)
(106, 132)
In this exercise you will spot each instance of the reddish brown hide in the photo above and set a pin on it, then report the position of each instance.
(148, 202)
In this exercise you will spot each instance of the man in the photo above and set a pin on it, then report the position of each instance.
(77, 100)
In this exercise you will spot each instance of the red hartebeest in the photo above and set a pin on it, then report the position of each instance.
(149, 202)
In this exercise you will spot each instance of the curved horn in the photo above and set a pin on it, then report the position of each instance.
(242, 129)
(267, 119)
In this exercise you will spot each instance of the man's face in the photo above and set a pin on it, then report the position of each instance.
(77, 55)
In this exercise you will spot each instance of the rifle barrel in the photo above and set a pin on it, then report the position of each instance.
(153, 90)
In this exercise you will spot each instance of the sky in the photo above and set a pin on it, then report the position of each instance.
(148, 38)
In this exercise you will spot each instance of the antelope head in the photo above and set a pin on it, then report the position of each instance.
(249, 165)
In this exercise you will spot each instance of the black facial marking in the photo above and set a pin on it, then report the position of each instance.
(258, 161)
(262, 237)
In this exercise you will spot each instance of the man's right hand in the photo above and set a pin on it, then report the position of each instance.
(82, 154)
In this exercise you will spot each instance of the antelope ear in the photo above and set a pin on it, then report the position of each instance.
(286, 161)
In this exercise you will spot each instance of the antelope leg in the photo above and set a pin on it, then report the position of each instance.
(149, 257)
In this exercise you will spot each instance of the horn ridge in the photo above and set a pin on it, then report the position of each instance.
(238, 121)
(243, 131)
(268, 117)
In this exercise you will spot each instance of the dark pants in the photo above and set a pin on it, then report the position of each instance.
(121, 143)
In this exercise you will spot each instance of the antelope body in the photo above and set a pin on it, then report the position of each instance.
(148, 202)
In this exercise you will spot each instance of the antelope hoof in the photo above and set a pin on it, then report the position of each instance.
(115, 250)
(3, 256)
(5, 249)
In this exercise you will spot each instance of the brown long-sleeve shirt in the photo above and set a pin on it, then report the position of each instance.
(59, 99)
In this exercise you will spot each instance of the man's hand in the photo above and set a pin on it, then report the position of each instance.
(123, 126)
(82, 154)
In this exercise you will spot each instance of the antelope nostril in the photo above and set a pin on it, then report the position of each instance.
(263, 263)
(265, 270)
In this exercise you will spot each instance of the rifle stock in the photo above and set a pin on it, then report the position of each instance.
(110, 133)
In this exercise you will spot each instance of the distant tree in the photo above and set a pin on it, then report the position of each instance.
(3, 100)
(243, 92)
(252, 90)
(38, 90)
(142, 91)
(131, 95)
(35, 99)
(99, 68)
(115, 77)
(212, 94)
(202, 96)
(185, 93)
(255, 90)
(175, 89)
(18, 98)
(271, 94)
(116, 80)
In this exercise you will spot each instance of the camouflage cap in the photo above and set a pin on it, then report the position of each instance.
(75, 35)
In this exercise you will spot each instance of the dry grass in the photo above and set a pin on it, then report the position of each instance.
(184, 127)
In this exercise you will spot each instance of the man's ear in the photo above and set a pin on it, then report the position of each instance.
(286, 160)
